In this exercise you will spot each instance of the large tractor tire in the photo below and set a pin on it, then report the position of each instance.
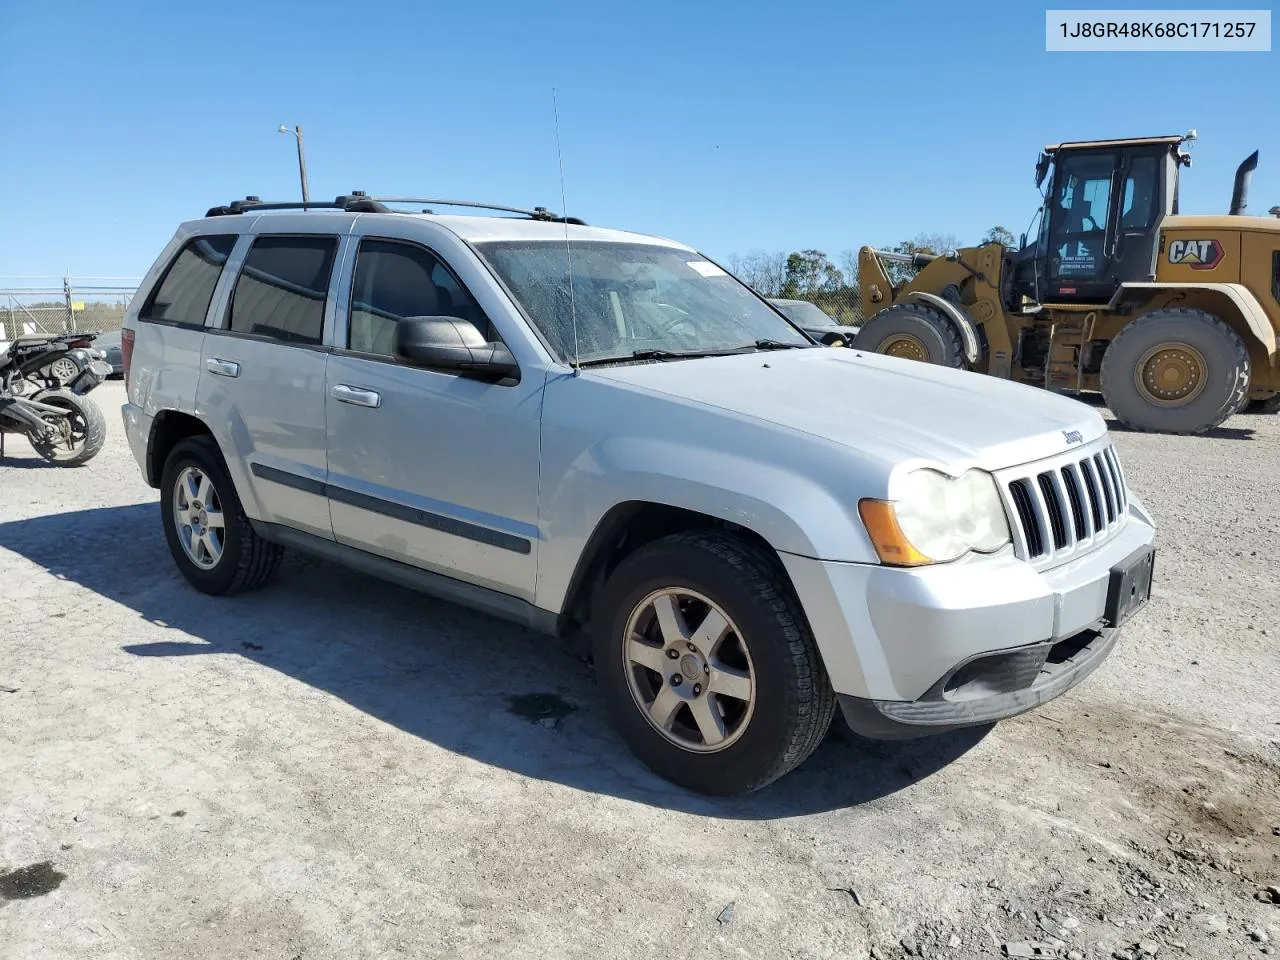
(1175, 370)
(912, 331)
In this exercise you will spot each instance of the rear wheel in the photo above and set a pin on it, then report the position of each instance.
(1175, 371)
(708, 665)
(72, 439)
(210, 537)
(64, 369)
(912, 331)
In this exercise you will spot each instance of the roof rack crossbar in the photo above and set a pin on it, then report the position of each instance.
(356, 203)
(537, 213)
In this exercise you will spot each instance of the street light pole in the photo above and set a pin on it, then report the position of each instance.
(302, 160)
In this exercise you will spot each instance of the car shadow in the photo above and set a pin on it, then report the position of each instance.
(473, 684)
(1214, 433)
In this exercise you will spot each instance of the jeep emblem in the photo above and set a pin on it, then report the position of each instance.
(1072, 436)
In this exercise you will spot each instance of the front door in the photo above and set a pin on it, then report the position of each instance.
(428, 468)
(1080, 227)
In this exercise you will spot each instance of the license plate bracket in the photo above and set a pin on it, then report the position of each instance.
(1130, 585)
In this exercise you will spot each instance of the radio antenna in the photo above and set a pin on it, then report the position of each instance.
(568, 253)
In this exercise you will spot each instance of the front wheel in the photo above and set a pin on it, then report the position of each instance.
(73, 438)
(708, 665)
(1175, 370)
(912, 331)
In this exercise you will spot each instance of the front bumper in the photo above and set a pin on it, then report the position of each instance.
(984, 689)
(922, 650)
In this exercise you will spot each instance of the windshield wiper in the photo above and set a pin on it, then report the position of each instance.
(654, 355)
(767, 344)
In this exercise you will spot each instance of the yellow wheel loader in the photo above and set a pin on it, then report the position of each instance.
(1173, 318)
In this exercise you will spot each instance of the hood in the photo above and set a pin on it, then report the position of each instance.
(881, 406)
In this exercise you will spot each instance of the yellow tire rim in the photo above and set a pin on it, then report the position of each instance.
(906, 346)
(1171, 374)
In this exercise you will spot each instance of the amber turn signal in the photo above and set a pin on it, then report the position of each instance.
(887, 537)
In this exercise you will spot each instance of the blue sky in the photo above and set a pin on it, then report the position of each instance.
(733, 127)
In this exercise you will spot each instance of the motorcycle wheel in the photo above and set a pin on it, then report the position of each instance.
(76, 438)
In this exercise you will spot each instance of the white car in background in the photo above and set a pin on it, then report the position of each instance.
(814, 321)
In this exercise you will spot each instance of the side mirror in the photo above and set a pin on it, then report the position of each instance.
(453, 344)
(1042, 168)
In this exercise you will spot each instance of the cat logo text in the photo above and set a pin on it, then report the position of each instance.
(1197, 254)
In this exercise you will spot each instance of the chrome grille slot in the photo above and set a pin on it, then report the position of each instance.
(1071, 480)
(1107, 493)
(1021, 493)
(1065, 505)
(1095, 494)
(1054, 508)
(1113, 462)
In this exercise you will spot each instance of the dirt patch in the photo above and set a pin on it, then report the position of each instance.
(34, 880)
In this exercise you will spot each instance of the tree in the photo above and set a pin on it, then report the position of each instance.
(763, 272)
(1000, 235)
(849, 267)
(927, 243)
(809, 273)
(936, 242)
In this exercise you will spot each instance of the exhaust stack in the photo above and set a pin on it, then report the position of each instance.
(1240, 193)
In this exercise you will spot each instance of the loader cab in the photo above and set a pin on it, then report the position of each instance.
(1101, 217)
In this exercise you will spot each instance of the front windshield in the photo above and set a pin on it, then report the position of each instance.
(632, 297)
(804, 313)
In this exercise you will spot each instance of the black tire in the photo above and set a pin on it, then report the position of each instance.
(1225, 377)
(793, 700)
(87, 422)
(1269, 405)
(247, 561)
(933, 332)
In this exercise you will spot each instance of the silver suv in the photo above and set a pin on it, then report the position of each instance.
(583, 429)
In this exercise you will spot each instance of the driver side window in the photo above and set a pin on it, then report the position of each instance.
(395, 280)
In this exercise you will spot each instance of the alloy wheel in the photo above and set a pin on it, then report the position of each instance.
(689, 670)
(197, 514)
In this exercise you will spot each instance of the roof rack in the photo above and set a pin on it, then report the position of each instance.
(360, 202)
(537, 213)
(357, 202)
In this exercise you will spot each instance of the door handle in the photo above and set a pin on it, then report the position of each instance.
(357, 395)
(222, 368)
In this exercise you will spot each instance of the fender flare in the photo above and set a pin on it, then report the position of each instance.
(1241, 297)
(959, 319)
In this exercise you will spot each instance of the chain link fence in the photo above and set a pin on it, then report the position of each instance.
(31, 306)
(808, 276)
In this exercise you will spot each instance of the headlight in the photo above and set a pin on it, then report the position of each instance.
(934, 518)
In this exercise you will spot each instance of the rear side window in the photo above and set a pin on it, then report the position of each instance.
(282, 288)
(184, 294)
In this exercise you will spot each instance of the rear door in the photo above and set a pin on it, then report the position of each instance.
(170, 329)
(427, 467)
(263, 376)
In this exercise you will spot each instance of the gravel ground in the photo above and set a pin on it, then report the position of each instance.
(337, 768)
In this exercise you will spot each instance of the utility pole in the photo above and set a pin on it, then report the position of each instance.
(302, 160)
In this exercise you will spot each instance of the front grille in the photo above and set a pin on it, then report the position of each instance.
(1066, 505)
